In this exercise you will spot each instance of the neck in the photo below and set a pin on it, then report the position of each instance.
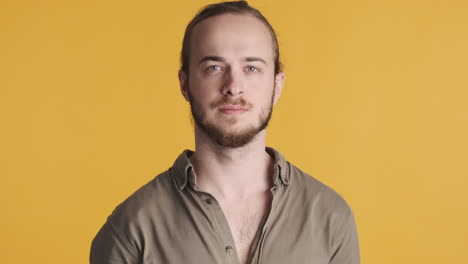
(232, 172)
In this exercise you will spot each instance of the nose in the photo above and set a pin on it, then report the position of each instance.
(233, 83)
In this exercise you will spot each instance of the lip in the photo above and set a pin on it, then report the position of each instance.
(232, 109)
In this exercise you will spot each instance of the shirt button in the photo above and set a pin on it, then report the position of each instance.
(228, 249)
(209, 201)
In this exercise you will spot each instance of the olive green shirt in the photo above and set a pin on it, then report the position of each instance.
(170, 220)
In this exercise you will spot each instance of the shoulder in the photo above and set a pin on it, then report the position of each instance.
(321, 204)
(145, 200)
(131, 218)
(122, 235)
(318, 196)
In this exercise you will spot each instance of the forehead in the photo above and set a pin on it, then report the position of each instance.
(231, 36)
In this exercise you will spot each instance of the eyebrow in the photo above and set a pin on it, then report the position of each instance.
(211, 58)
(255, 59)
(221, 59)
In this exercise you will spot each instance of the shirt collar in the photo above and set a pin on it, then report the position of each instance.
(183, 169)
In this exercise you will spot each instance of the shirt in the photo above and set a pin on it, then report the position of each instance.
(171, 221)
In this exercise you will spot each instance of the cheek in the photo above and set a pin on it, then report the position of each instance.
(203, 94)
(202, 88)
(262, 90)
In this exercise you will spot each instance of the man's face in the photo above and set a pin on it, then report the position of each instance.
(231, 86)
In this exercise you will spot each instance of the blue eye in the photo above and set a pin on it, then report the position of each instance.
(214, 68)
(252, 69)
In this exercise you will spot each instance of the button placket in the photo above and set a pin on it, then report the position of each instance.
(266, 224)
(227, 244)
(225, 232)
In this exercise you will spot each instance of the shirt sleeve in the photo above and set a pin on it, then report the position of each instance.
(109, 246)
(347, 249)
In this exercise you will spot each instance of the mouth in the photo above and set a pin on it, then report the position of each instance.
(232, 109)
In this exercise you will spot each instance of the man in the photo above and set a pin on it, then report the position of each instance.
(232, 200)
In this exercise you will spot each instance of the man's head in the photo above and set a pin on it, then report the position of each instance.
(230, 73)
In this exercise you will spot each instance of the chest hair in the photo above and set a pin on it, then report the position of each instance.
(244, 221)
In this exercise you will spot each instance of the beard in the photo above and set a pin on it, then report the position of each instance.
(224, 137)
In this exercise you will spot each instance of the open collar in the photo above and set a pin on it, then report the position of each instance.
(184, 174)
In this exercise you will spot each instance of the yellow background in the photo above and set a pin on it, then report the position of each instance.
(375, 106)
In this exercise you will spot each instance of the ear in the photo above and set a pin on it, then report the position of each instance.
(279, 82)
(183, 82)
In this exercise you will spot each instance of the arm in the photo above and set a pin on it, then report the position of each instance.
(346, 250)
(110, 246)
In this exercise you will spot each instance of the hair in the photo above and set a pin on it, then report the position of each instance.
(235, 7)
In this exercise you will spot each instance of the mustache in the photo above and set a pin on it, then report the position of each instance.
(229, 101)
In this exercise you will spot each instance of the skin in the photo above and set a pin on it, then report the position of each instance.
(232, 87)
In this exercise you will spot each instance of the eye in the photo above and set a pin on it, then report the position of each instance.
(214, 68)
(252, 69)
